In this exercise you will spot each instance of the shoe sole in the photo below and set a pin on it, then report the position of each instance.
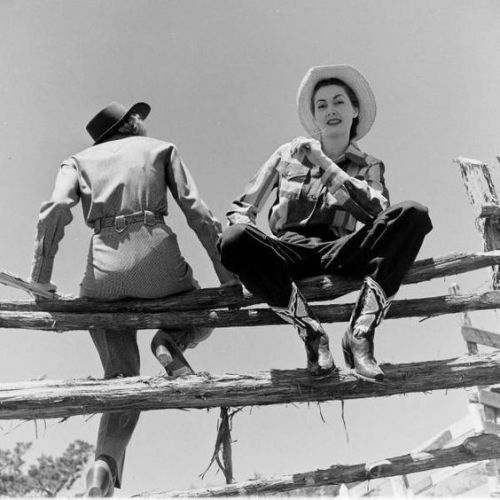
(173, 354)
(95, 492)
(324, 373)
(372, 380)
(349, 361)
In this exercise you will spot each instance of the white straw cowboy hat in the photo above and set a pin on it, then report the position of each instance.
(350, 76)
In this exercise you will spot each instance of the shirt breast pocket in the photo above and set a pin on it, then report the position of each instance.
(292, 179)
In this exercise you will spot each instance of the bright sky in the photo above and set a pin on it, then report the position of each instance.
(221, 77)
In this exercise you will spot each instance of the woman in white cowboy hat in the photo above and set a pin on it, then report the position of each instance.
(122, 182)
(325, 185)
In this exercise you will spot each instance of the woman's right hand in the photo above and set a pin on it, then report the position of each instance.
(302, 147)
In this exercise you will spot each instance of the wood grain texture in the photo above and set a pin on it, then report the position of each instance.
(226, 318)
(315, 289)
(473, 449)
(56, 399)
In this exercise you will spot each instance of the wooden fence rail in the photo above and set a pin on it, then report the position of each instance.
(320, 288)
(222, 318)
(53, 399)
(473, 449)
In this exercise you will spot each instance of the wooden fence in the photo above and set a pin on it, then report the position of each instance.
(222, 307)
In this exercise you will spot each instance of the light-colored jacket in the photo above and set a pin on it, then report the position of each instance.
(119, 177)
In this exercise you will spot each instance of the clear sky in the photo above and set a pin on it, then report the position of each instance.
(221, 77)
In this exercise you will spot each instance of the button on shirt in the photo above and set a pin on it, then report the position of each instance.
(310, 198)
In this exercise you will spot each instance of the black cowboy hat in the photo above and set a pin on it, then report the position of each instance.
(111, 117)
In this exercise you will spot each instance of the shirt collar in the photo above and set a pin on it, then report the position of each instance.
(354, 154)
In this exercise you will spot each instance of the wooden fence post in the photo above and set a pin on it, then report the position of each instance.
(484, 200)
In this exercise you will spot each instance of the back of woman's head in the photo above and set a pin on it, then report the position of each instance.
(133, 125)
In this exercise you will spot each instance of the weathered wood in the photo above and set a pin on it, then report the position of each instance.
(52, 399)
(473, 449)
(479, 336)
(489, 211)
(481, 192)
(400, 487)
(490, 397)
(221, 318)
(13, 281)
(490, 413)
(478, 184)
(319, 288)
(491, 427)
(450, 436)
(452, 482)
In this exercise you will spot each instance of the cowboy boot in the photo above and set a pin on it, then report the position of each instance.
(319, 357)
(357, 344)
(100, 481)
(170, 354)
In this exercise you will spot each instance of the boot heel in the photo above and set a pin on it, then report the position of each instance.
(163, 355)
(170, 356)
(348, 356)
(100, 480)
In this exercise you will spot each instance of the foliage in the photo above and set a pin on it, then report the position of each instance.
(47, 477)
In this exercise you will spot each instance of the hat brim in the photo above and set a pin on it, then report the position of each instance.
(140, 108)
(354, 79)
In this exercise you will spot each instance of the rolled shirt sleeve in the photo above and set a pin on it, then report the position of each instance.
(363, 198)
(54, 215)
(199, 217)
(256, 193)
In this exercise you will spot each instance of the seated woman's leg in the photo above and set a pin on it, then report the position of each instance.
(382, 252)
(265, 266)
(119, 355)
(262, 263)
(169, 345)
(393, 241)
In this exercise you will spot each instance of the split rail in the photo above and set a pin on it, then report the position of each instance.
(230, 308)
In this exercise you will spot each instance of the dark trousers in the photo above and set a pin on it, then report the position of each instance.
(383, 250)
(119, 355)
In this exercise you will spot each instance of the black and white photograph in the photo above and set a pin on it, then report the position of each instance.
(250, 248)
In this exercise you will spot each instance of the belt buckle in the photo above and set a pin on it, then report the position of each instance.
(120, 223)
(149, 218)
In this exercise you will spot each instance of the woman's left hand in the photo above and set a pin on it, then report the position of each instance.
(305, 147)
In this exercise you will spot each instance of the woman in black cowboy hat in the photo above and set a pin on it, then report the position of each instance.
(122, 182)
(325, 186)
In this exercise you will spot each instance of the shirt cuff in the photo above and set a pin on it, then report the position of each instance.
(238, 218)
(334, 177)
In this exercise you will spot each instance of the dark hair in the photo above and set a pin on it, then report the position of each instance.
(132, 125)
(350, 94)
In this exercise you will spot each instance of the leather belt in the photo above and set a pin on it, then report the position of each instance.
(120, 222)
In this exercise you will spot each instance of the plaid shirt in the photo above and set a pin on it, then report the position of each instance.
(315, 199)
